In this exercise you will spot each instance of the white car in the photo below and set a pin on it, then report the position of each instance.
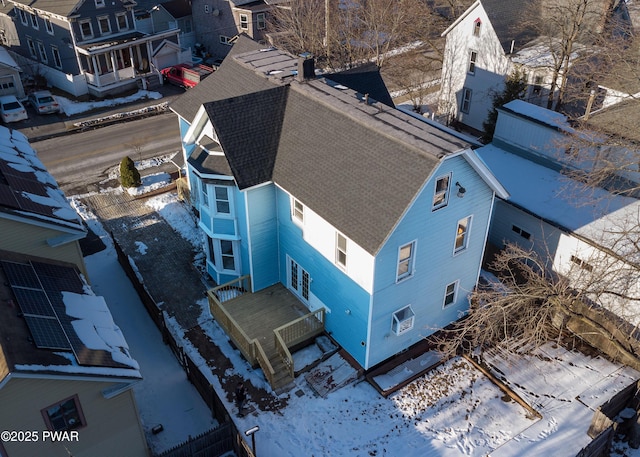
(43, 102)
(11, 110)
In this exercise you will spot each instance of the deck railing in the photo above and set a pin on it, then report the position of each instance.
(295, 332)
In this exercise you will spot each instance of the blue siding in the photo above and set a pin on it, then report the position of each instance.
(262, 223)
(347, 302)
(436, 266)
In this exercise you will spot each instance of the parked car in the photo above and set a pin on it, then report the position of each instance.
(186, 76)
(11, 110)
(43, 102)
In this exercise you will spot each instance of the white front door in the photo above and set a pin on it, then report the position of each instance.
(298, 280)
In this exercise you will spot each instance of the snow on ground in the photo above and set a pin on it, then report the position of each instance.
(164, 396)
(454, 410)
(71, 107)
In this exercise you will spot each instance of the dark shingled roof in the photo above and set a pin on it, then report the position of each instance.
(178, 8)
(227, 81)
(248, 129)
(358, 165)
(61, 7)
(365, 79)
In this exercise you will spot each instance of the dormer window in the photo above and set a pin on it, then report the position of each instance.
(99, 3)
(477, 25)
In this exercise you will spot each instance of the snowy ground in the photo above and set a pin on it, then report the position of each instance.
(454, 410)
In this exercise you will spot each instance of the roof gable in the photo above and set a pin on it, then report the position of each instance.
(248, 129)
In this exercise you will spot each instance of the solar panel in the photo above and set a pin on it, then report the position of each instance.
(47, 333)
(21, 275)
(55, 277)
(33, 302)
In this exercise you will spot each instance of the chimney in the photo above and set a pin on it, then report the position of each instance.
(306, 67)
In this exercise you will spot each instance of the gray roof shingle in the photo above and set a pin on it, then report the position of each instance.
(61, 7)
(358, 165)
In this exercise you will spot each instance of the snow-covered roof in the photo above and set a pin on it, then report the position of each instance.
(6, 60)
(538, 114)
(594, 213)
(27, 189)
(52, 322)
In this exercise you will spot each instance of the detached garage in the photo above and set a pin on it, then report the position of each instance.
(10, 83)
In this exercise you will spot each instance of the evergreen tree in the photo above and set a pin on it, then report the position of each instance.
(129, 175)
(515, 88)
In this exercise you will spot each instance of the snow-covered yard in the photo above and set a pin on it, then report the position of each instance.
(451, 411)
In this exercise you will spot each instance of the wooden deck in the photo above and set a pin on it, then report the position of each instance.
(265, 325)
(259, 314)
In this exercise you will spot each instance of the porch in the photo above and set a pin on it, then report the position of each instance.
(265, 326)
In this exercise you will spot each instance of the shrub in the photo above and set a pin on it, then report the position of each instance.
(129, 175)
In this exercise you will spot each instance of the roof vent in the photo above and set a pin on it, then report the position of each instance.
(306, 67)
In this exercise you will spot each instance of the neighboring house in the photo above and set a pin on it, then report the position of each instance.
(587, 235)
(218, 22)
(10, 82)
(90, 46)
(374, 216)
(483, 46)
(64, 367)
(35, 217)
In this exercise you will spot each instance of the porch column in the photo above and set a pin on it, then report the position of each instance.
(96, 71)
(114, 65)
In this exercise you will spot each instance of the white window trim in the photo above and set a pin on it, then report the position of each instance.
(214, 203)
(244, 25)
(56, 62)
(339, 250)
(297, 215)
(216, 256)
(261, 21)
(32, 48)
(472, 61)
(411, 260)
(455, 284)
(48, 25)
(23, 16)
(34, 21)
(400, 326)
(42, 52)
(466, 100)
(447, 192)
(100, 3)
(465, 244)
(101, 18)
(225, 40)
(126, 19)
(86, 21)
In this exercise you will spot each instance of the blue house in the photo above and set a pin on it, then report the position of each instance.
(374, 217)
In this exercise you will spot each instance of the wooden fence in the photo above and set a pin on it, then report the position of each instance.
(202, 445)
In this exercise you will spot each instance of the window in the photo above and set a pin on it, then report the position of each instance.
(581, 263)
(473, 58)
(537, 86)
(244, 22)
(523, 233)
(450, 293)
(23, 16)
(99, 3)
(341, 250)
(477, 25)
(207, 9)
(66, 415)
(405, 261)
(402, 320)
(34, 20)
(261, 21)
(32, 47)
(226, 254)
(298, 210)
(187, 26)
(42, 52)
(441, 194)
(85, 29)
(466, 100)
(225, 40)
(462, 234)
(205, 194)
(56, 57)
(104, 24)
(48, 25)
(123, 21)
(223, 203)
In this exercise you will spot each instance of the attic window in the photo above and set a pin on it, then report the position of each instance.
(477, 25)
(99, 3)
